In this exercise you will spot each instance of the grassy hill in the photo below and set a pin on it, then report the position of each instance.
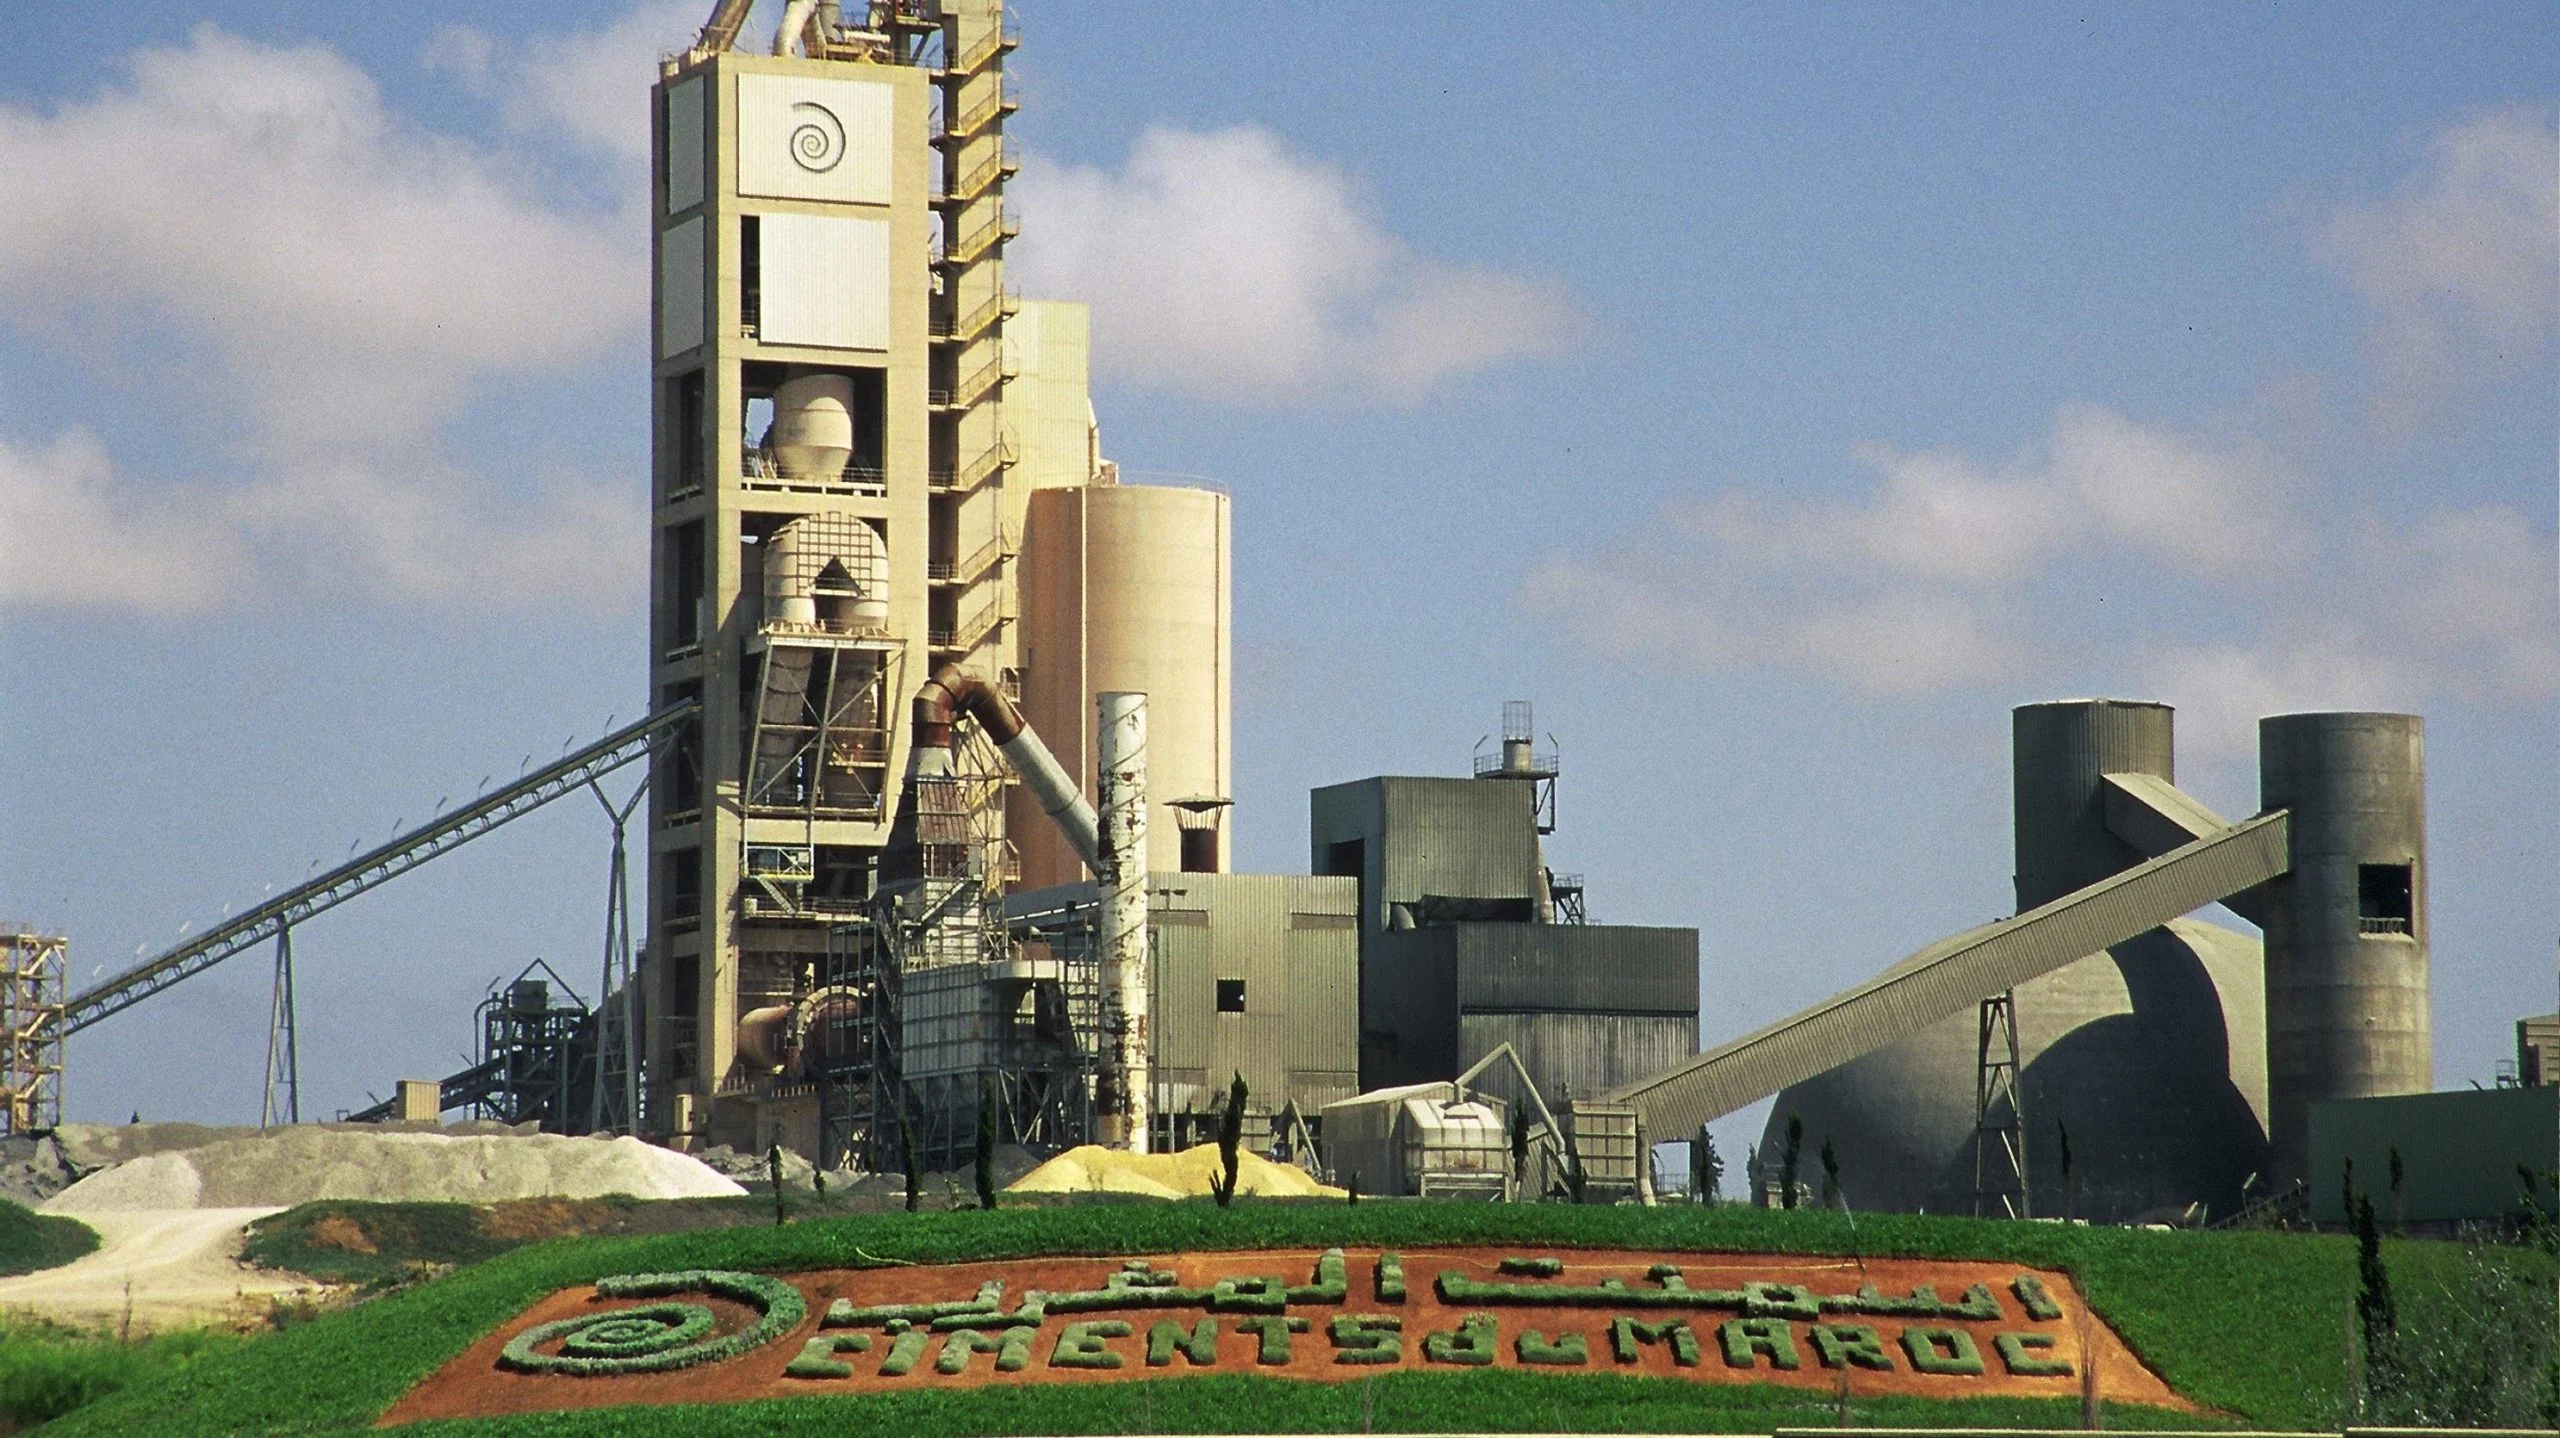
(2249, 1323)
(30, 1240)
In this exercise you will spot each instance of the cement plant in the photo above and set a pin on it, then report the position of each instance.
(921, 846)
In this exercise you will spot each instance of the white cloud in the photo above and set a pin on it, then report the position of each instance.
(1226, 264)
(592, 87)
(353, 279)
(2243, 585)
(1928, 581)
(2462, 268)
(75, 534)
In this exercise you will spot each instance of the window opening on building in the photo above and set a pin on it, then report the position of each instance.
(2384, 899)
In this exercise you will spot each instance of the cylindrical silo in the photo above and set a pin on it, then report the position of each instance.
(2347, 1004)
(2147, 1053)
(1125, 588)
(2058, 754)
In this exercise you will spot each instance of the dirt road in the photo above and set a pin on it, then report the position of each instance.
(171, 1268)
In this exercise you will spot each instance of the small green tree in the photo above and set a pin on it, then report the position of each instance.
(1574, 1178)
(907, 1161)
(2347, 1191)
(1790, 1160)
(773, 1166)
(1519, 1147)
(1230, 1144)
(1706, 1168)
(985, 1159)
(1830, 1174)
(2377, 1314)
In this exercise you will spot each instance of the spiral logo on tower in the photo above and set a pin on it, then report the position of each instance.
(817, 137)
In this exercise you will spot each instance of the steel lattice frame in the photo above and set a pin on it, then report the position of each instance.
(32, 965)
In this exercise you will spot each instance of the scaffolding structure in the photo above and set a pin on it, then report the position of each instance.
(958, 1006)
(32, 965)
(1999, 1119)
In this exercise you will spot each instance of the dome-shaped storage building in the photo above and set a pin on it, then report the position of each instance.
(2151, 1055)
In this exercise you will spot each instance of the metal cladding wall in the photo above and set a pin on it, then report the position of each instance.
(2149, 1053)
(1588, 1007)
(1449, 838)
(1292, 942)
(1125, 588)
(2460, 1151)
(2347, 1010)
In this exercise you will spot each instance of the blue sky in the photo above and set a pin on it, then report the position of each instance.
(1774, 397)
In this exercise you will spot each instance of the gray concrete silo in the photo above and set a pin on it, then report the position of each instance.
(2151, 1053)
(2346, 929)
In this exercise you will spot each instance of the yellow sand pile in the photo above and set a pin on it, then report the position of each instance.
(1094, 1169)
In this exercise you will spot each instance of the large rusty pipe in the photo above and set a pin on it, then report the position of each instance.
(952, 692)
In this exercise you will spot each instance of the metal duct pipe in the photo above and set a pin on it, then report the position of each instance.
(764, 1038)
(795, 19)
(1125, 1079)
(952, 692)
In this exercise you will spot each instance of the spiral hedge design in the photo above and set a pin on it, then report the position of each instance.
(657, 1337)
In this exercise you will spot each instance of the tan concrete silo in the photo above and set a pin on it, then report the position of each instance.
(1125, 589)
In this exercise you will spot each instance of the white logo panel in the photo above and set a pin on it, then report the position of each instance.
(802, 139)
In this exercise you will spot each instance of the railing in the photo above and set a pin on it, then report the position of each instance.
(2368, 925)
(977, 472)
(978, 116)
(971, 390)
(1006, 36)
(1003, 162)
(757, 470)
(975, 322)
(999, 546)
(997, 229)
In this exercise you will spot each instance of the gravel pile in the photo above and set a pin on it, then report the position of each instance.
(1188, 1174)
(287, 1166)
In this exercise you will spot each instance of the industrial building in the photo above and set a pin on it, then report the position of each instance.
(858, 428)
(939, 761)
(2183, 1059)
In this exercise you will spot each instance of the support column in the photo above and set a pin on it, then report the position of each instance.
(1126, 1075)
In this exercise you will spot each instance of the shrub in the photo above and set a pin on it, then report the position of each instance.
(1942, 1350)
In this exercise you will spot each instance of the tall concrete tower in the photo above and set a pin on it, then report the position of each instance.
(829, 496)
(2347, 996)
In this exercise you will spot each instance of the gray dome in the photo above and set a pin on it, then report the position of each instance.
(2153, 1054)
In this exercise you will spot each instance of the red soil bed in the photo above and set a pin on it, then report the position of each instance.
(475, 1384)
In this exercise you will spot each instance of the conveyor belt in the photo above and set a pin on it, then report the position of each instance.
(1957, 973)
(436, 836)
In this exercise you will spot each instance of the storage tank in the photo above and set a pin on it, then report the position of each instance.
(1125, 588)
(827, 570)
(2347, 1007)
(812, 433)
(2151, 1054)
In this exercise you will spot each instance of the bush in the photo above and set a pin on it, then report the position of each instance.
(46, 1372)
(30, 1241)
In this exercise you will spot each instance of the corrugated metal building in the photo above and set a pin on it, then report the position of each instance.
(1587, 1007)
(1455, 959)
(1255, 974)
(2459, 1152)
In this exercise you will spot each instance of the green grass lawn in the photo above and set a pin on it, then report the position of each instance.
(30, 1240)
(2250, 1324)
